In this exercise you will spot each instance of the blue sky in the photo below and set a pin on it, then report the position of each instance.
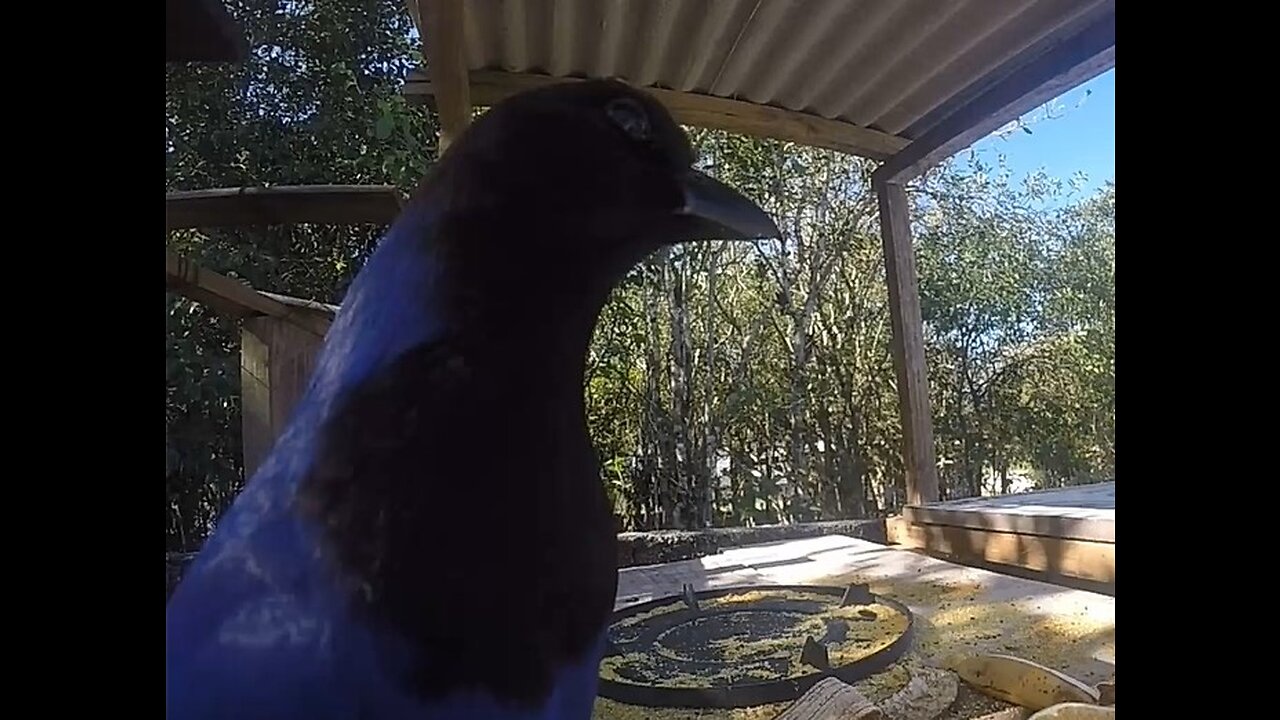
(1080, 136)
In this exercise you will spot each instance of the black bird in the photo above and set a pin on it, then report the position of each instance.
(430, 537)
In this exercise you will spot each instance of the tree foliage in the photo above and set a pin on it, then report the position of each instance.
(318, 102)
(728, 383)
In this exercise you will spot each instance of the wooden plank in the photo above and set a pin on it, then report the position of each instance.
(1097, 498)
(294, 351)
(256, 434)
(277, 359)
(1052, 68)
(938, 592)
(233, 297)
(441, 23)
(202, 31)
(223, 293)
(1094, 529)
(489, 87)
(282, 205)
(1052, 557)
(908, 345)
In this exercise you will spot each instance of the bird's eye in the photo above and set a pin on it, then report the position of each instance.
(627, 114)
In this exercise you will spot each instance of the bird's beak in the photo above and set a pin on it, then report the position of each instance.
(715, 211)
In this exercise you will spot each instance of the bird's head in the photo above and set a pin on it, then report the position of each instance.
(592, 171)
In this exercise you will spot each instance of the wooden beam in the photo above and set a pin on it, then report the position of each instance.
(1051, 558)
(1073, 528)
(441, 24)
(234, 297)
(908, 344)
(202, 31)
(1031, 79)
(489, 87)
(282, 205)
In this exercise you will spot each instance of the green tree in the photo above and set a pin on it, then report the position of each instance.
(318, 101)
(728, 383)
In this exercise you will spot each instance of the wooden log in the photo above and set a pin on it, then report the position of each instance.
(831, 699)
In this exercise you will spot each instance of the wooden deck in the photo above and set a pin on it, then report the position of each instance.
(1066, 536)
(958, 610)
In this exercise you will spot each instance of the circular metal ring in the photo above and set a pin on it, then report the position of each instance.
(745, 694)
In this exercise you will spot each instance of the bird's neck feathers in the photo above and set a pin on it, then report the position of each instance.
(387, 311)
(435, 277)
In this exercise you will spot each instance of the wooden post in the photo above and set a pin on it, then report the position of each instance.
(441, 26)
(276, 361)
(1038, 74)
(279, 343)
(908, 344)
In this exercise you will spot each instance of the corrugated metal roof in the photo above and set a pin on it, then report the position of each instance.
(887, 65)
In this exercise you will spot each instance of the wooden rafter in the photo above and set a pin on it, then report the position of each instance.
(489, 87)
(282, 205)
(1036, 76)
(236, 298)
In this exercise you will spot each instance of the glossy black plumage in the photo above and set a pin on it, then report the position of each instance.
(438, 485)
